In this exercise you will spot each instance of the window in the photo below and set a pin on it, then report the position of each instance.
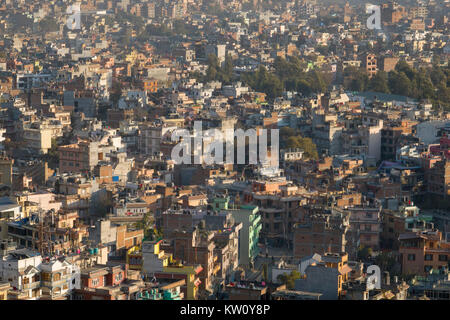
(46, 276)
(443, 257)
(428, 257)
(95, 282)
(411, 257)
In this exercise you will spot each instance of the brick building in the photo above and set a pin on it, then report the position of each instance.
(423, 251)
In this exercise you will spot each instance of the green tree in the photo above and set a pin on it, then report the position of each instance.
(355, 79)
(304, 87)
(48, 24)
(146, 224)
(285, 133)
(399, 83)
(289, 279)
(306, 144)
(379, 82)
(403, 66)
(364, 252)
(263, 81)
(227, 72)
(317, 82)
(52, 156)
(323, 50)
(437, 76)
(293, 142)
(423, 86)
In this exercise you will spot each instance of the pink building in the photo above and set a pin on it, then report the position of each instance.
(46, 200)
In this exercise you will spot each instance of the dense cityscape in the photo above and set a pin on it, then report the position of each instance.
(224, 150)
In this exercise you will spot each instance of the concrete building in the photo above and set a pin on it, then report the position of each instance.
(196, 248)
(153, 259)
(249, 216)
(58, 279)
(371, 65)
(321, 233)
(6, 175)
(21, 268)
(219, 50)
(326, 277)
(367, 222)
(38, 137)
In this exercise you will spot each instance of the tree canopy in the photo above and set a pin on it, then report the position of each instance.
(290, 139)
(289, 279)
(425, 83)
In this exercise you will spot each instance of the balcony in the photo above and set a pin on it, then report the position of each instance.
(254, 251)
(256, 220)
(363, 231)
(32, 285)
(54, 283)
(272, 210)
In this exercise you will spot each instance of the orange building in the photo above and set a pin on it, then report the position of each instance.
(128, 238)
(150, 85)
(422, 251)
(371, 65)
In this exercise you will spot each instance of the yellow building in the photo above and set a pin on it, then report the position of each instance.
(192, 280)
(27, 206)
(134, 258)
(4, 287)
(161, 265)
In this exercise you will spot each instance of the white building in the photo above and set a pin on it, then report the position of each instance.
(427, 131)
(235, 90)
(21, 269)
(59, 278)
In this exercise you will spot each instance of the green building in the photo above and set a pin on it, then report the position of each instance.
(251, 228)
